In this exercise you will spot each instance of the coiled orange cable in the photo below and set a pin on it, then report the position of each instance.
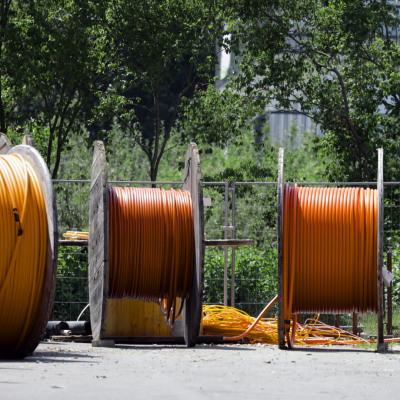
(330, 251)
(23, 250)
(151, 246)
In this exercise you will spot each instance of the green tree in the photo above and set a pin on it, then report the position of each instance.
(336, 62)
(158, 39)
(15, 85)
(54, 54)
(72, 56)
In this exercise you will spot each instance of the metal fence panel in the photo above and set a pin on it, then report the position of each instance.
(253, 213)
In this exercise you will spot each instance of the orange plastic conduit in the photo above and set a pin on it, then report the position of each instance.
(330, 251)
(151, 246)
(23, 250)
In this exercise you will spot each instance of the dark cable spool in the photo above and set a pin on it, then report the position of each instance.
(99, 248)
(49, 282)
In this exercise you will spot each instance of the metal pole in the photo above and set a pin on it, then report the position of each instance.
(380, 340)
(233, 247)
(226, 248)
(355, 330)
(337, 320)
(389, 295)
(281, 188)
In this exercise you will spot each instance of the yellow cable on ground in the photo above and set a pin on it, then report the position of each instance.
(228, 321)
(23, 250)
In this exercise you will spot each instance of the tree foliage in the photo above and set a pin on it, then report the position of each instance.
(162, 44)
(336, 62)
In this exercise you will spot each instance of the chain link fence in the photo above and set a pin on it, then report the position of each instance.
(248, 207)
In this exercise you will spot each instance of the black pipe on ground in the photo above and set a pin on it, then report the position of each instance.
(54, 328)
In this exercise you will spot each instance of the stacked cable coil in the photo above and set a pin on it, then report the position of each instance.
(151, 246)
(23, 250)
(329, 266)
(330, 251)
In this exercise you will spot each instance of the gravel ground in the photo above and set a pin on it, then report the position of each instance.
(76, 370)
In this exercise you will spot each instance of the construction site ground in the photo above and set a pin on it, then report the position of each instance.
(79, 371)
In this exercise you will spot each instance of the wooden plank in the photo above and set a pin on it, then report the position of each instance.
(149, 319)
(140, 329)
(229, 242)
(380, 311)
(281, 188)
(73, 243)
(112, 317)
(72, 338)
(132, 316)
(98, 242)
(5, 144)
(49, 282)
(28, 140)
(135, 318)
(120, 317)
(193, 308)
(146, 339)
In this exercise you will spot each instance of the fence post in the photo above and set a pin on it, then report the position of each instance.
(380, 339)
(355, 330)
(280, 194)
(389, 295)
(226, 247)
(337, 320)
(233, 247)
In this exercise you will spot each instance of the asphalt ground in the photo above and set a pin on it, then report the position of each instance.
(79, 371)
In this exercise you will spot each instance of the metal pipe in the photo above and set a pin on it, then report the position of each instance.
(389, 325)
(337, 320)
(317, 183)
(233, 248)
(223, 183)
(118, 182)
(226, 248)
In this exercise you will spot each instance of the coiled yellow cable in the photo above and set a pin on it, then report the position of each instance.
(220, 320)
(23, 250)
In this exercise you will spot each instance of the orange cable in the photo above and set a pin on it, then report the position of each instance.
(23, 249)
(329, 258)
(151, 246)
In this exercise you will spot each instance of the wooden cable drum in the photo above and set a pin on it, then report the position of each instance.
(29, 250)
(146, 245)
(330, 252)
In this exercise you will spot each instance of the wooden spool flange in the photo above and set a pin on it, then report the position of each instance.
(380, 228)
(5, 144)
(46, 304)
(99, 248)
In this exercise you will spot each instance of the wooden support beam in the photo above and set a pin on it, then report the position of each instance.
(72, 243)
(5, 144)
(281, 192)
(229, 242)
(221, 242)
(380, 340)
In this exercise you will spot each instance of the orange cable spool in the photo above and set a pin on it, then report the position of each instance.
(23, 248)
(329, 252)
(151, 246)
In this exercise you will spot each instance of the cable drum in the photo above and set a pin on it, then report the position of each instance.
(329, 250)
(151, 246)
(27, 272)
